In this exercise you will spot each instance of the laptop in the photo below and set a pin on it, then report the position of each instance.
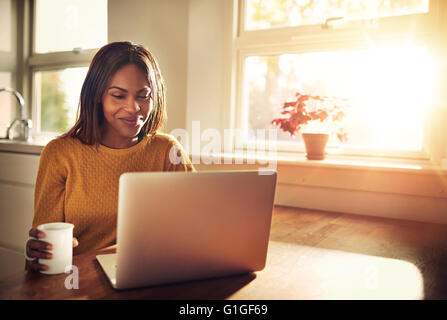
(183, 226)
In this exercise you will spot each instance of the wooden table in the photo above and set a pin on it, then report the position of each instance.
(311, 255)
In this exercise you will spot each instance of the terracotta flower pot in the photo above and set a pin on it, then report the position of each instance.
(315, 145)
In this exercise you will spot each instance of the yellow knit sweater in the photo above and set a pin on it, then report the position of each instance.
(78, 183)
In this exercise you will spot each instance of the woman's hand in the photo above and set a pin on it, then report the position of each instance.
(38, 249)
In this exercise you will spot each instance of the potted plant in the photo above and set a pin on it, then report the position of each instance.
(315, 117)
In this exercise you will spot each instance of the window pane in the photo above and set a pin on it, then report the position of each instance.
(388, 89)
(58, 94)
(5, 103)
(5, 25)
(62, 25)
(265, 14)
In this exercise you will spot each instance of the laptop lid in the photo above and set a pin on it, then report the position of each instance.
(181, 226)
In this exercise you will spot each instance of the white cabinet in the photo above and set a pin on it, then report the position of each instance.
(17, 178)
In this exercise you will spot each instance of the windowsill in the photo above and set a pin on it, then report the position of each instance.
(360, 162)
(414, 166)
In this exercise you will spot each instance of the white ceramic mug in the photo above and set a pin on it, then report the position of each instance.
(60, 235)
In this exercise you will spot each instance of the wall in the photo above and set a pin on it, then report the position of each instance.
(187, 38)
(206, 63)
(409, 194)
(162, 27)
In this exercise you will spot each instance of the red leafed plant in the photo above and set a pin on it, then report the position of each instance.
(298, 114)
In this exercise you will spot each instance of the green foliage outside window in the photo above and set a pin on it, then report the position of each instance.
(54, 114)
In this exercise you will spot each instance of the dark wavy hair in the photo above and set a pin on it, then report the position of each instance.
(105, 63)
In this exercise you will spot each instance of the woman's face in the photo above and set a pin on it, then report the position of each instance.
(127, 104)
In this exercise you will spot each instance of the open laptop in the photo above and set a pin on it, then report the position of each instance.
(181, 226)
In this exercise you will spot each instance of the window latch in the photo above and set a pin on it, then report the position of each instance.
(328, 23)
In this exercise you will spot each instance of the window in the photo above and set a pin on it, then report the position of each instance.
(5, 103)
(261, 14)
(378, 54)
(58, 92)
(5, 25)
(7, 63)
(80, 24)
(66, 35)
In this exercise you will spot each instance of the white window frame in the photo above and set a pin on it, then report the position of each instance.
(46, 62)
(348, 35)
(9, 61)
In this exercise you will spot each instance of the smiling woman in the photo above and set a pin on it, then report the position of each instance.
(127, 104)
(122, 107)
(123, 81)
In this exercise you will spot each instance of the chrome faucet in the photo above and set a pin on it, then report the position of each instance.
(20, 128)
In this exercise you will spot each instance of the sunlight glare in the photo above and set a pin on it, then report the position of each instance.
(390, 90)
(321, 273)
(394, 91)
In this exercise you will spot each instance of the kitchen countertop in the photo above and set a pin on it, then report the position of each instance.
(32, 146)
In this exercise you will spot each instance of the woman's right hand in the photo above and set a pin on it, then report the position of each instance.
(37, 249)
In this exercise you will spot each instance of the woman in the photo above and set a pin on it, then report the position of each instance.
(122, 106)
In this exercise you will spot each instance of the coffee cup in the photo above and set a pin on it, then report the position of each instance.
(60, 235)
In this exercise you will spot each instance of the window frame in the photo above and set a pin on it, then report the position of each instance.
(47, 62)
(310, 38)
(389, 25)
(9, 61)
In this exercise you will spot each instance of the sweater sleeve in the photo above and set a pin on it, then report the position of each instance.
(177, 159)
(49, 190)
